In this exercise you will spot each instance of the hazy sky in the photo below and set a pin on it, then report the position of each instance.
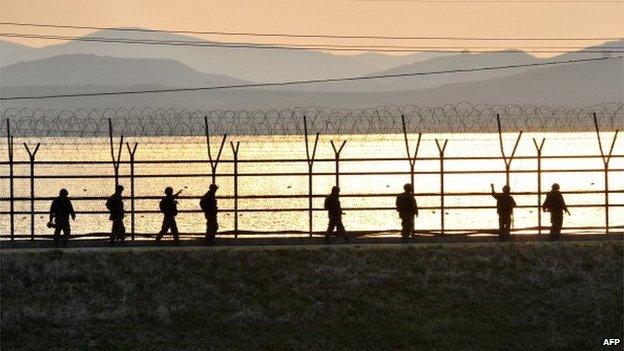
(554, 18)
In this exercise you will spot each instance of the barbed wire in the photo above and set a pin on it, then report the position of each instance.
(457, 118)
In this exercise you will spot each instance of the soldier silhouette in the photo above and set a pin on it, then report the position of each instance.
(208, 204)
(505, 204)
(115, 207)
(169, 207)
(407, 208)
(334, 212)
(555, 204)
(60, 211)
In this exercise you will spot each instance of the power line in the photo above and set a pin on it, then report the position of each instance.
(311, 81)
(207, 43)
(325, 47)
(292, 35)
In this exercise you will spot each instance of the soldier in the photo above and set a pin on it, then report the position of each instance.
(407, 208)
(334, 212)
(60, 210)
(208, 204)
(169, 207)
(115, 207)
(504, 207)
(555, 204)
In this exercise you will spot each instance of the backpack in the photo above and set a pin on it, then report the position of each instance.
(203, 203)
(109, 203)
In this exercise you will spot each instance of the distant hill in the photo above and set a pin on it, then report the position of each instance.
(435, 64)
(577, 84)
(383, 61)
(252, 64)
(13, 52)
(454, 61)
(464, 61)
(73, 70)
(617, 45)
(263, 65)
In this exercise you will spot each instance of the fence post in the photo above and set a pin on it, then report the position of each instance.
(235, 152)
(506, 159)
(410, 159)
(606, 158)
(310, 161)
(441, 148)
(213, 162)
(337, 152)
(538, 148)
(112, 149)
(31, 157)
(11, 181)
(131, 152)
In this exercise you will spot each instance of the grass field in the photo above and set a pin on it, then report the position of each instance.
(516, 296)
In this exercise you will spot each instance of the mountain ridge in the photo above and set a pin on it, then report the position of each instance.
(578, 84)
(89, 69)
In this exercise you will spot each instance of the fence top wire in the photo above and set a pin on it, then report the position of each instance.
(457, 118)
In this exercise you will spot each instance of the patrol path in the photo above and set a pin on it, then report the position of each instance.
(291, 242)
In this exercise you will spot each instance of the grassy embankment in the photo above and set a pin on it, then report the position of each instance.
(446, 297)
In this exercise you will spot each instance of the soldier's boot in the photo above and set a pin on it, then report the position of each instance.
(404, 235)
(210, 239)
(343, 234)
(158, 237)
